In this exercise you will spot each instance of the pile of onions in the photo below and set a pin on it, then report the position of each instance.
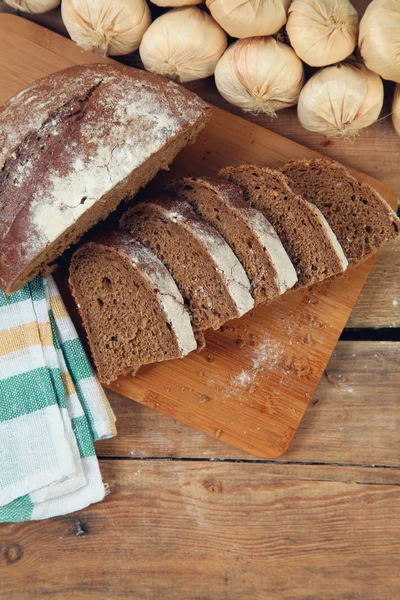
(258, 72)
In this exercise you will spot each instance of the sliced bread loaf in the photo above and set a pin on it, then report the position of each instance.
(306, 236)
(131, 308)
(211, 279)
(73, 146)
(245, 229)
(359, 216)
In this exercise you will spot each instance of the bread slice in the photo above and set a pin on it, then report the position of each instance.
(359, 216)
(131, 308)
(73, 146)
(211, 279)
(306, 236)
(245, 229)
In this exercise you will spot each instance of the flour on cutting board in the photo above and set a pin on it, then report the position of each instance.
(266, 356)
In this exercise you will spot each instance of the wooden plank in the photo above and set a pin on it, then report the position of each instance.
(379, 302)
(183, 531)
(353, 417)
(251, 385)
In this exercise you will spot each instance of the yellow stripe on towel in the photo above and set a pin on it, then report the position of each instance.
(58, 308)
(68, 383)
(24, 336)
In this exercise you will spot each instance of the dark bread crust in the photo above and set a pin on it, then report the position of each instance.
(359, 216)
(221, 203)
(64, 142)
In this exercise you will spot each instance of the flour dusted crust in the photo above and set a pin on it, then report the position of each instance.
(344, 263)
(73, 145)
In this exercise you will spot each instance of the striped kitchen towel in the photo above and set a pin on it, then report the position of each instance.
(52, 409)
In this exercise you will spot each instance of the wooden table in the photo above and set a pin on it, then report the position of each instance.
(189, 518)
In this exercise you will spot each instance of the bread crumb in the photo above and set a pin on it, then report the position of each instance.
(307, 340)
(253, 339)
(301, 366)
(240, 341)
(331, 381)
(312, 319)
(202, 398)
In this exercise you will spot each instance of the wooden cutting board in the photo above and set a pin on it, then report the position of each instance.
(251, 385)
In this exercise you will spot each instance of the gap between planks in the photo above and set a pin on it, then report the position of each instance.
(377, 334)
(254, 461)
(283, 463)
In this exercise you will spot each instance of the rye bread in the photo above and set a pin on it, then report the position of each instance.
(210, 278)
(361, 219)
(74, 145)
(245, 229)
(306, 236)
(132, 311)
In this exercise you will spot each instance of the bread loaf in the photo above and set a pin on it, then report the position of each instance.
(73, 146)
